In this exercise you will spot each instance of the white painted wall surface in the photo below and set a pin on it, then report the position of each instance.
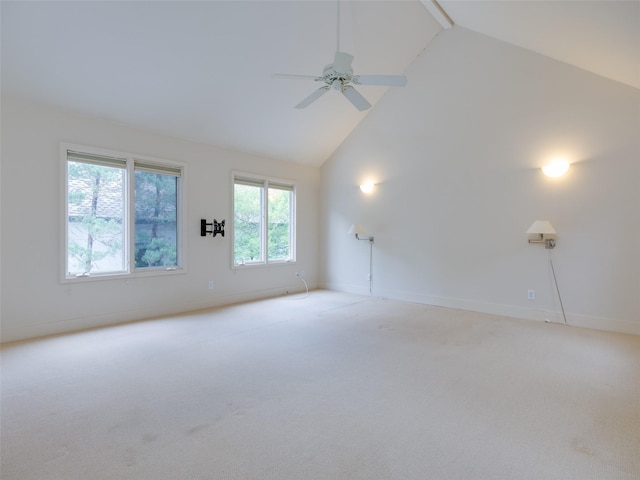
(456, 156)
(35, 303)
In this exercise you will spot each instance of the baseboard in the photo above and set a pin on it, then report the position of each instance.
(14, 333)
(576, 320)
(24, 332)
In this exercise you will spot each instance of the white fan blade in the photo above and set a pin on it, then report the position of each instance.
(384, 80)
(313, 97)
(354, 97)
(302, 77)
(342, 63)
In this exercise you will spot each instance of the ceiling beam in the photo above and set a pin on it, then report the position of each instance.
(436, 10)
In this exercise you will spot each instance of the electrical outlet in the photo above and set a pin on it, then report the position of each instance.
(300, 274)
(210, 284)
(531, 294)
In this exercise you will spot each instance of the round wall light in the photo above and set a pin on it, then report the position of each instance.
(556, 168)
(367, 187)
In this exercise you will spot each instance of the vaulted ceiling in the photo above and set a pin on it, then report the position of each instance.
(202, 70)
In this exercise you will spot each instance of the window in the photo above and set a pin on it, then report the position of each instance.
(122, 214)
(156, 208)
(263, 221)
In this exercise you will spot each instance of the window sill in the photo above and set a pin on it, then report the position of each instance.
(251, 265)
(156, 272)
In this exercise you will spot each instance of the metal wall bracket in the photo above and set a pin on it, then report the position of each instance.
(216, 228)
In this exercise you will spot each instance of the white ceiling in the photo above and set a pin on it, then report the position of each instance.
(602, 37)
(202, 70)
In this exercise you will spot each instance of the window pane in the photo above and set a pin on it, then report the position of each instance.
(279, 224)
(95, 218)
(156, 227)
(247, 223)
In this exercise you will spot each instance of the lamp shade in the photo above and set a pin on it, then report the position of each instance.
(356, 229)
(541, 227)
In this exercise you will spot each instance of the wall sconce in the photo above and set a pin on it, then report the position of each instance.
(556, 168)
(367, 187)
(357, 230)
(542, 228)
(217, 228)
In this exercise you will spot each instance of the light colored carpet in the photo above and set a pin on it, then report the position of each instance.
(332, 386)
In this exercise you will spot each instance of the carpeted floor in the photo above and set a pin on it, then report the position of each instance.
(330, 386)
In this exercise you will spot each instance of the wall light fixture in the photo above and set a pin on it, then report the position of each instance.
(367, 187)
(357, 230)
(544, 232)
(556, 168)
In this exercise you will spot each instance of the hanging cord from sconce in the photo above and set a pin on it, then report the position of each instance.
(357, 230)
(370, 268)
(301, 277)
(564, 316)
(305, 285)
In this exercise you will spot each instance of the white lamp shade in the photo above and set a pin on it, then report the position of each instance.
(356, 229)
(541, 227)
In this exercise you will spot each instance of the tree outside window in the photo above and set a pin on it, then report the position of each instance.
(263, 223)
(98, 224)
(96, 233)
(155, 220)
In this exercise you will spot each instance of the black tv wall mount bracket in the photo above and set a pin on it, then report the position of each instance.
(216, 228)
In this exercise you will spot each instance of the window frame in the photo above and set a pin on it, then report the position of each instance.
(130, 270)
(264, 241)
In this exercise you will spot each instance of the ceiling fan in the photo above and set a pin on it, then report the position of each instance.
(339, 76)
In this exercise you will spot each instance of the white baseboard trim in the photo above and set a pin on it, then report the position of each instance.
(13, 333)
(29, 331)
(576, 320)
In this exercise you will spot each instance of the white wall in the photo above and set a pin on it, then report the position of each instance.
(456, 157)
(34, 302)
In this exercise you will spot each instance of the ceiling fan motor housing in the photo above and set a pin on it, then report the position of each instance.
(336, 80)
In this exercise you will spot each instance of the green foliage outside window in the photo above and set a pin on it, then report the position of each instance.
(247, 223)
(155, 221)
(97, 243)
(279, 224)
(97, 206)
(250, 208)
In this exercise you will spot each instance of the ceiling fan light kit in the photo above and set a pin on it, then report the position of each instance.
(339, 76)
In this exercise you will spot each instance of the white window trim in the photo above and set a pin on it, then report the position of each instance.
(130, 270)
(293, 240)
